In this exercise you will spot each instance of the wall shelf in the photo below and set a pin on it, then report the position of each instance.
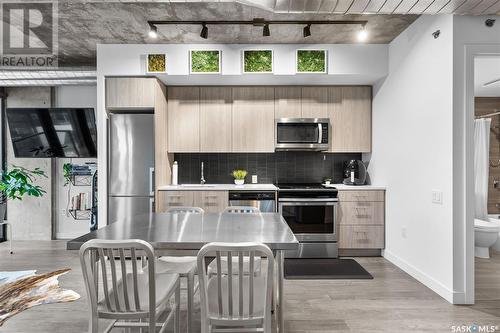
(80, 214)
(81, 180)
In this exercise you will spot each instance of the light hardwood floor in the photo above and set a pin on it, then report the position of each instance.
(391, 302)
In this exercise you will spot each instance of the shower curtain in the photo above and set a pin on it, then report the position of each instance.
(481, 165)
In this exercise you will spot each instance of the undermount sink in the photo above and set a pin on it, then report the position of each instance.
(198, 185)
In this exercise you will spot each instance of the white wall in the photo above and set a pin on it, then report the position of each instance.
(347, 64)
(413, 151)
(65, 226)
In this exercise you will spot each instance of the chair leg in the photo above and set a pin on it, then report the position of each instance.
(177, 316)
(190, 301)
(93, 327)
(268, 324)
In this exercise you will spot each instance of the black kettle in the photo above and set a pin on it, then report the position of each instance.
(354, 172)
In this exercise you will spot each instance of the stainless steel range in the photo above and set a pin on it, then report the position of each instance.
(310, 211)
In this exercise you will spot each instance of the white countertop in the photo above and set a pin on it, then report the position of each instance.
(257, 187)
(342, 187)
(219, 187)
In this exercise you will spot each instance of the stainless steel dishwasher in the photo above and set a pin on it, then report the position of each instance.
(265, 201)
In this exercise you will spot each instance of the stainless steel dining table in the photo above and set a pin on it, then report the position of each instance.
(185, 234)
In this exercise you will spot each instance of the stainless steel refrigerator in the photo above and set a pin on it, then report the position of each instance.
(131, 165)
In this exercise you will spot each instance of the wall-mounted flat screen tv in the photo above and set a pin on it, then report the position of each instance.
(53, 132)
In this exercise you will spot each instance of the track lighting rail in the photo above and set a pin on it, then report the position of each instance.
(260, 22)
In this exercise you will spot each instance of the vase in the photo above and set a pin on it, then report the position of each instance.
(239, 181)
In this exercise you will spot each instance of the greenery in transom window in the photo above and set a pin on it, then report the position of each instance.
(157, 63)
(311, 61)
(258, 61)
(205, 62)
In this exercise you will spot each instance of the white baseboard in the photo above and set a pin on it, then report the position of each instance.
(429, 282)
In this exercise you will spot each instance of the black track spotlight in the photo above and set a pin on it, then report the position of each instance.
(204, 31)
(153, 31)
(489, 22)
(266, 32)
(307, 31)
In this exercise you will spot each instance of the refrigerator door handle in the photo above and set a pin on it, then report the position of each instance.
(152, 205)
(151, 181)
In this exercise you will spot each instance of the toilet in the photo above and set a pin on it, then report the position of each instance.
(485, 235)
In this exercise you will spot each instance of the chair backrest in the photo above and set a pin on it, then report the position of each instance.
(108, 257)
(192, 210)
(242, 307)
(241, 210)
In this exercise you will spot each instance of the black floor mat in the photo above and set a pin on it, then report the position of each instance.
(319, 268)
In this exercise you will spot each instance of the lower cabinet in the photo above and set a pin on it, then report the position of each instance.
(361, 220)
(210, 201)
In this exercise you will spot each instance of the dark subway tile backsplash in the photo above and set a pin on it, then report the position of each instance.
(279, 167)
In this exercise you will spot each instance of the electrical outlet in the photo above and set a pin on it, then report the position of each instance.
(437, 197)
(63, 212)
(254, 179)
(403, 232)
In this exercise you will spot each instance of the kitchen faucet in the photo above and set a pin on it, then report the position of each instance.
(202, 180)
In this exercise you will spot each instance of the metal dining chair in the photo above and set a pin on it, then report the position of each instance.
(184, 266)
(229, 302)
(133, 297)
(212, 268)
(241, 210)
(185, 209)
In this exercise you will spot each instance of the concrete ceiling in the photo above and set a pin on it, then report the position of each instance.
(83, 25)
(487, 77)
(461, 7)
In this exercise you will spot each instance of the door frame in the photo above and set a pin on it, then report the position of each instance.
(471, 53)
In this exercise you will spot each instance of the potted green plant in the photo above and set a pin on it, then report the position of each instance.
(17, 183)
(239, 176)
(67, 169)
(327, 181)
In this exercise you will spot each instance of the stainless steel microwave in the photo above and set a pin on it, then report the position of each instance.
(302, 134)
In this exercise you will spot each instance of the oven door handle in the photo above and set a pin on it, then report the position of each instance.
(317, 203)
(309, 200)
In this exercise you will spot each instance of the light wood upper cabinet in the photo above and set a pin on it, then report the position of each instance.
(352, 120)
(315, 102)
(215, 119)
(253, 119)
(130, 93)
(287, 102)
(183, 119)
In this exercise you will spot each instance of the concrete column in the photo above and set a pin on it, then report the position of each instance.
(31, 218)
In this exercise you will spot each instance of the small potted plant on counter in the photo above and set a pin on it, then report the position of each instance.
(327, 181)
(239, 176)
